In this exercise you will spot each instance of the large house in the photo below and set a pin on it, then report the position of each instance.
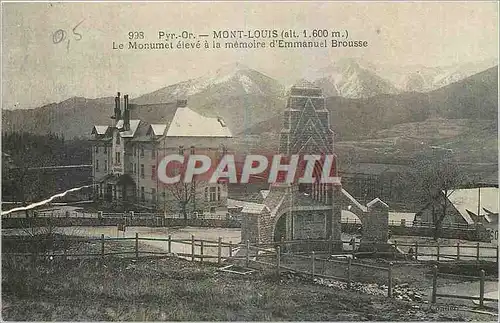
(464, 206)
(126, 154)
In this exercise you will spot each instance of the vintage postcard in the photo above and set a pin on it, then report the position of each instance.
(249, 161)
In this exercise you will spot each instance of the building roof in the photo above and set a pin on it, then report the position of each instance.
(129, 133)
(158, 129)
(467, 201)
(233, 204)
(376, 201)
(188, 123)
(254, 208)
(100, 130)
(264, 193)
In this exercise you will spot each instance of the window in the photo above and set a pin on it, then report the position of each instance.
(105, 165)
(118, 158)
(118, 139)
(163, 195)
(153, 195)
(142, 170)
(97, 164)
(181, 150)
(212, 194)
(153, 172)
(218, 193)
(192, 150)
(105, 149)
(142, 152)
(153, 153)
(206, 193)
(143, 197)
(135, 168)
(135, 151)
(212, 209)
(96, 149)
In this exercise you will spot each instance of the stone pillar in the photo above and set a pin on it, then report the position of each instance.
(375, 227)
(335, 218)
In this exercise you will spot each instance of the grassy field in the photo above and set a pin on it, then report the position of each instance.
(178, 290)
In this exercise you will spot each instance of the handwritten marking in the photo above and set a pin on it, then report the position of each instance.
(60, 35)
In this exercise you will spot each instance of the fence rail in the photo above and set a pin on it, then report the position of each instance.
(310, 264)
(479, 298)
(210, 216)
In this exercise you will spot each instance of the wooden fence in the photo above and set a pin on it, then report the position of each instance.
(270, 255)
(479, 298)
(398, 250)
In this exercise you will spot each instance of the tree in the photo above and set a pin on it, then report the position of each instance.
(433, 180)
(183, 193)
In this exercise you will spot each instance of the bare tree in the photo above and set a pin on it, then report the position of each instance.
(183, 193)
(431, 182)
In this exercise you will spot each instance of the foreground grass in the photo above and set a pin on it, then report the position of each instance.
(178, 290)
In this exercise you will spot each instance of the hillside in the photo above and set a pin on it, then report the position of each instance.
(472, 98)
(240, 95)
(252, 105)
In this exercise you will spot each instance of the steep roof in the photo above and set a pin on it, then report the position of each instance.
(134, 124)
(254, 208)
(157, 129)
(100, 130)
(468, 200)
(188, 123)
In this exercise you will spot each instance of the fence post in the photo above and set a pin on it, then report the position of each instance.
(247, 261)
(434, 284)
(230, 249)
(481, 289)
(136, 245)
(219, 251)
(169, 243)
(349, 261)
(192, 247)
(438, 252)
(389, 278)
(102, 246)
(458, 250)
(416, 250)
(312, 264)
(201, 251)
(477, 252)
(330, 245)
(278, 260)
(497, 255)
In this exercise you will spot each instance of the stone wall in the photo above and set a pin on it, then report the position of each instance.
(13, 223)
(309, 225)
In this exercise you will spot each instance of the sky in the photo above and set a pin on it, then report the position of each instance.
(37, 71)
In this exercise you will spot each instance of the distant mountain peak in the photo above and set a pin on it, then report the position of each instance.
(231, 68)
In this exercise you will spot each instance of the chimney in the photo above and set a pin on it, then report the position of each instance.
(126, 113)
(118, 111)
(181, 103)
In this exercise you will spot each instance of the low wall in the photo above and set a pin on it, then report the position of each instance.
(13, 223)
(480, 234)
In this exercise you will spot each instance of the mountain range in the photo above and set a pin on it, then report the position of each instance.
(362, 100)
